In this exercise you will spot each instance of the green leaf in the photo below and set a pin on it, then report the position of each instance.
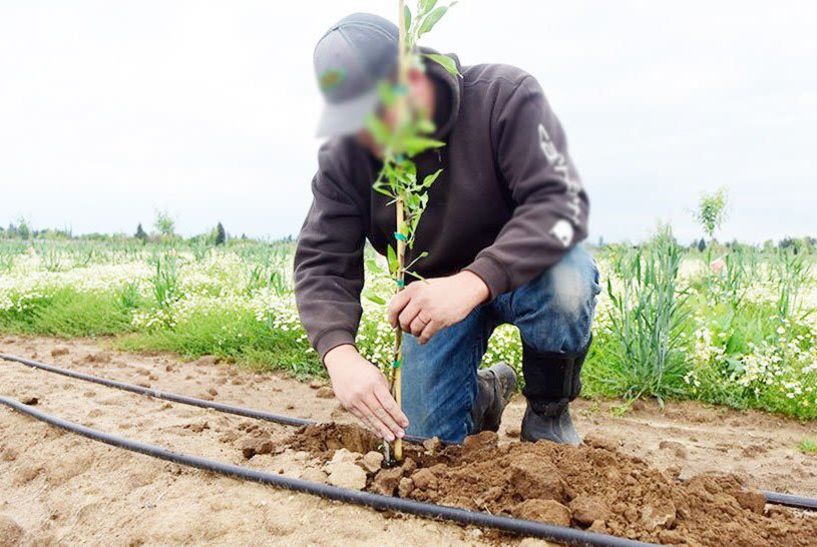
(425, 126)
(446, 62)
(429, 180)
(415, 145)
(406, 18)
(384, 190)
(432, 18)
(379, 130)
(385, 91)
(427, 5)
(373, 266)
(391, 256)
(373, 297)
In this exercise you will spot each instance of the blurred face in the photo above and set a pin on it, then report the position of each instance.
(421, 102)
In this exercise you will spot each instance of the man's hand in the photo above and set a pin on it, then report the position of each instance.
(363, 390)
(424, 307)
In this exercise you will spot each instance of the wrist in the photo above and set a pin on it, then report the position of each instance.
(476, 286)
(337, 356)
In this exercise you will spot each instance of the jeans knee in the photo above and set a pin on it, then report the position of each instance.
(572, 290)
(558, 313)
(573, 284)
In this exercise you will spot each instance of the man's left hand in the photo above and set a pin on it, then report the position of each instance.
(424, 307)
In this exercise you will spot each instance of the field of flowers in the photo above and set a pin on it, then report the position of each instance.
(734, 326)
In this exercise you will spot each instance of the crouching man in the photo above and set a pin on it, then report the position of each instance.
(501, 228)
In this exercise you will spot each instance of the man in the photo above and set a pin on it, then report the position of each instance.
(501, 228)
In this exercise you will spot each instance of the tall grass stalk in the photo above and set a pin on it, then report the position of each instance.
(165, 280)
(647, 316)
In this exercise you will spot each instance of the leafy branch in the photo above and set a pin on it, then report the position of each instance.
(408, 137)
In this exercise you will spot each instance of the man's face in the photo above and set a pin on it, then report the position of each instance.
(387, 115)
(420, 97)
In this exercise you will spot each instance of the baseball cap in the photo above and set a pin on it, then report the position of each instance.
(350, 59)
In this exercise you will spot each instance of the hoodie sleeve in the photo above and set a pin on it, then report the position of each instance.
(329, 260)
(551, 206)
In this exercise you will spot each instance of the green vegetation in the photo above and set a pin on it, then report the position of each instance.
(667, 325)
(808, 446)
(711, 211)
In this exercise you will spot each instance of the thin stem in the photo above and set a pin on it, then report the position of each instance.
(401, 107)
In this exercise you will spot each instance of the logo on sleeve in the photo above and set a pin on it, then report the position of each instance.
(563, 231)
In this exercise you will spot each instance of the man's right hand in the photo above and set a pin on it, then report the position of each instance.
(363, 390)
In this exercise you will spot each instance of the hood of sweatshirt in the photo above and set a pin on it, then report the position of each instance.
(448, 93)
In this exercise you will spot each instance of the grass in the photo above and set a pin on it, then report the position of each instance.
(69, 313)
(808, 446)
(666, 327)
(236, 335)
(647, 314)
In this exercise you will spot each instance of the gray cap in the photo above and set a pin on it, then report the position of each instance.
(352, 57)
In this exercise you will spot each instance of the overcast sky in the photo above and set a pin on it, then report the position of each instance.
(112, 110)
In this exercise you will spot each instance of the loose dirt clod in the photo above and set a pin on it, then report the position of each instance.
(346, 475)
(10, 532)
(534, 477)
(432, 445)
(314, 475)
(751, 499)
(386, 481)
(198, 427)
(256, 445)
(56, 352)
(373, 461)
(326, 438)
(588, 509)
(548, 511)
(675, 447)
(325, 393)
(405, 487)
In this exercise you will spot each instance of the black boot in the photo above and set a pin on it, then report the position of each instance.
(552, 380)
(495, 387)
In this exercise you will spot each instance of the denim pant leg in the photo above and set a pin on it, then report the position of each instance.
(439, 379)
(554, 311)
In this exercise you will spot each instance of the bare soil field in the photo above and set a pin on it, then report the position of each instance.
(58, 488)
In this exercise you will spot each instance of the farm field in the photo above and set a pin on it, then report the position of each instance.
(101, 492)
(700, 383)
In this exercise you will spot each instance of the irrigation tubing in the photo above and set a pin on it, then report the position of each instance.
(376, 501)
(174, 397)
(775, 498)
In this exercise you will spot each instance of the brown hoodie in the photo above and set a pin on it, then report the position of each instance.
(508, 204)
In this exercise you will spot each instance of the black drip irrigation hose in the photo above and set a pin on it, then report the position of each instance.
(175, 397)
(376, 501)
(775, 498)
(159, 394)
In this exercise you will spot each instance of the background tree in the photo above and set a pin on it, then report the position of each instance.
(140, 234)
(164, 224)
(221, 235)
(23, 228)
(711, 211)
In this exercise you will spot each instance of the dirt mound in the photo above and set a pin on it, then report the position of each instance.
(592, 487)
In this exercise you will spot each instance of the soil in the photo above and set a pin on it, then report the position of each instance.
(592, 486)
(685, 474)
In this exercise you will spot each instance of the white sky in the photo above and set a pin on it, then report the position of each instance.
(112, 110)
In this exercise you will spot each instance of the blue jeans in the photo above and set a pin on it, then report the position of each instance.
(553, 312)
